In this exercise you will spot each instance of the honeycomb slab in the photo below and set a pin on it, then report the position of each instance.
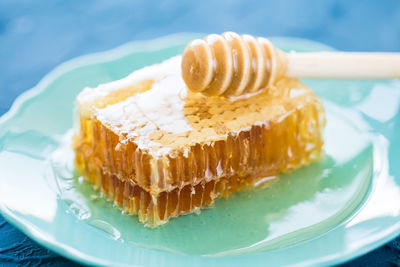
(158, 150)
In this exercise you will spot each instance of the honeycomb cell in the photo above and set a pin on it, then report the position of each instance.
(180, 151)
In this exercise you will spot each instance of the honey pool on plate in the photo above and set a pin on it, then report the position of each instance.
(295, 207)
(74, 221)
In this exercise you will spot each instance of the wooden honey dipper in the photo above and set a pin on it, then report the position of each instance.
(232, 64)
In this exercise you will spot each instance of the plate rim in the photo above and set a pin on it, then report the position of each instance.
(148, 45)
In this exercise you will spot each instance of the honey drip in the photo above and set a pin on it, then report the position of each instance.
(203, 148)
(157, 189)
(231, 64)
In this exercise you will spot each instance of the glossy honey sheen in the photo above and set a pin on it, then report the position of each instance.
(322, 205)
(229, 146)
(208, 172)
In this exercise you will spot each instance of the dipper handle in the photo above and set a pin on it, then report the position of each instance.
(359, 65)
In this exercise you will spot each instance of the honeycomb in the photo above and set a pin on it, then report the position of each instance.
(162, 151)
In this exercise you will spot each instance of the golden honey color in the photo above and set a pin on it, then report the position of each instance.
(151, 168)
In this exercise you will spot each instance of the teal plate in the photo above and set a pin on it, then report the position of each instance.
(329, 212)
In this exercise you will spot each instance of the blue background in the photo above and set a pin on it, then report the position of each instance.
(36, 36)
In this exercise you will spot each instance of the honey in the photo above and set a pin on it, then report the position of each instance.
(160, 150)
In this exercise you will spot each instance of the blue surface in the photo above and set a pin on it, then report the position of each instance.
(36, 36)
